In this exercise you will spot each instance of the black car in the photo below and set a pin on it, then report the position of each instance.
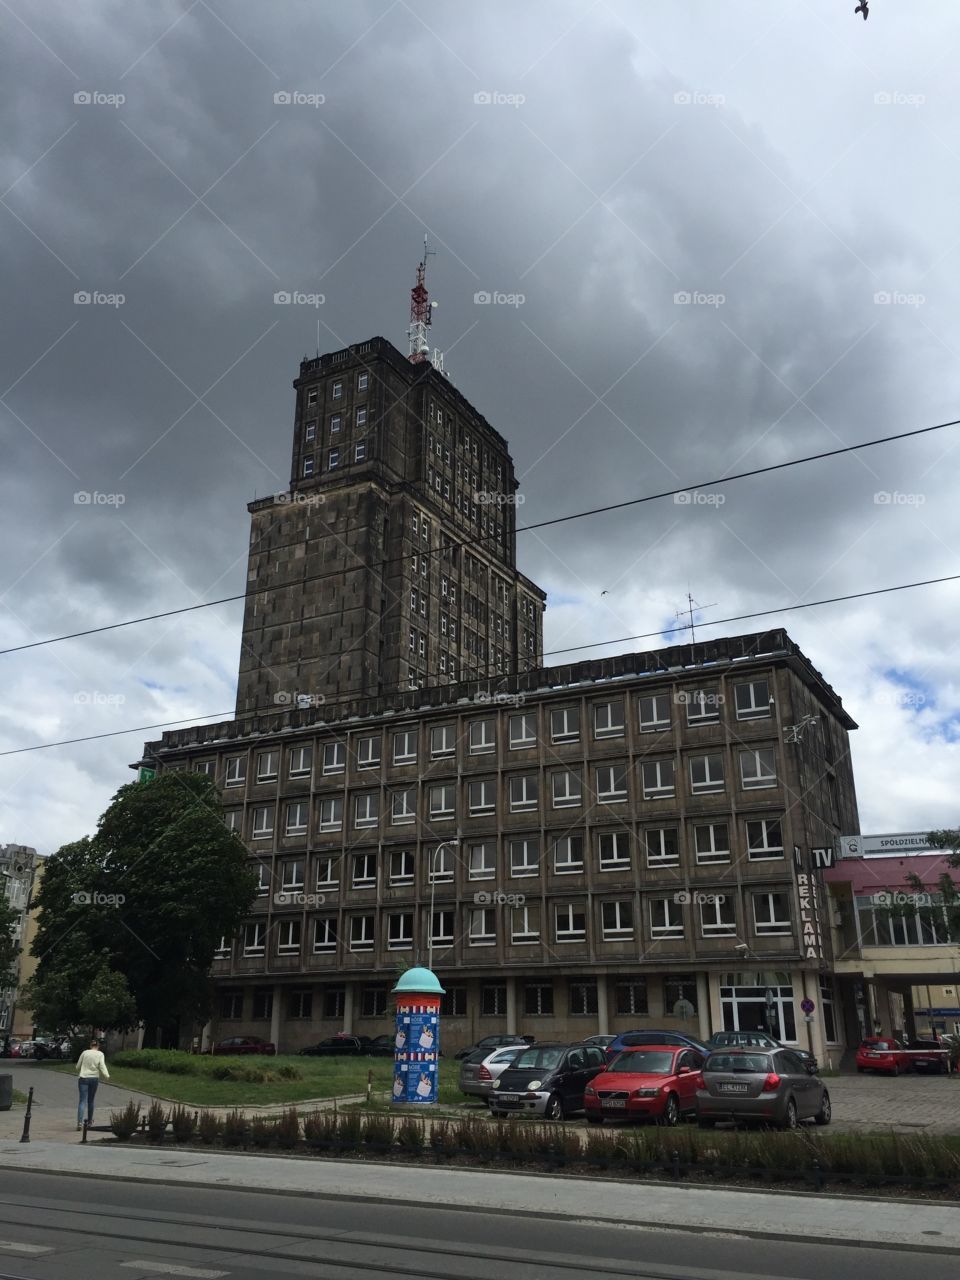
(382, 1046)
(546, 1080)
(760, 1040)
(340, 1046)
(638, 1039)
(493, 1042)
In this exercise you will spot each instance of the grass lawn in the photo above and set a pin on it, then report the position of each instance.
(321, 1078)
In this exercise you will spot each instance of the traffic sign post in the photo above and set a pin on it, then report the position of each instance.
(807, 1005)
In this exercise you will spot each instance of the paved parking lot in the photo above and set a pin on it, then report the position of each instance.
(910, 1104)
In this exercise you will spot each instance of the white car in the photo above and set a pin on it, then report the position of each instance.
(479, 1069)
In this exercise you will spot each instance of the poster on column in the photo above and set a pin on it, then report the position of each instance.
(417, 1053)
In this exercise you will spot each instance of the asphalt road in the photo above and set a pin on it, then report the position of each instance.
(53, 1227)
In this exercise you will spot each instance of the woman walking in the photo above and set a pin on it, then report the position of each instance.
(91, 1065)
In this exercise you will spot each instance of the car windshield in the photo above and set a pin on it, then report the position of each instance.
(541, 1059)
(751, 1062)
(649, 1037)
(642, 1062)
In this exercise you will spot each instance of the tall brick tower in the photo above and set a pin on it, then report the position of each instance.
(393, 471)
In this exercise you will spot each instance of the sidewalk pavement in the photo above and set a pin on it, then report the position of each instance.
(914, 1226)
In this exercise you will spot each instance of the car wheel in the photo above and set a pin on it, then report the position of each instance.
(671, 1112)
(826, 1111)
(791, 1120)
(554, 1108)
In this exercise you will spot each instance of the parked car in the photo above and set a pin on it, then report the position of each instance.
(603, 1041)
(652, 1083)
(479, 1070)
(493, 1042)
(51, 1048)
(882, 1053)
(641, 1039)
(760, 1040)
(929, 1055)
(771, 1086)
(244, 1044)
(340, 1046)
(546, 1080)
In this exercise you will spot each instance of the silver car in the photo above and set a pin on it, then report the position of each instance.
(479, 1069)
(772, 1087)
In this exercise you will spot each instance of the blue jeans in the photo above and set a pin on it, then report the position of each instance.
(88, 1091)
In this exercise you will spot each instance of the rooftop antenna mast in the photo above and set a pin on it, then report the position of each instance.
(689, 611)
(421, 317)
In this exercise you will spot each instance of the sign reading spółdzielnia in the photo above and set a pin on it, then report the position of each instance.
(885, 846)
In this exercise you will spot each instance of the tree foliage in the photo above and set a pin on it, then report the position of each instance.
(9, 946)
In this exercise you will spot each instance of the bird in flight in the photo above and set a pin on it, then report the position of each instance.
(864, 8)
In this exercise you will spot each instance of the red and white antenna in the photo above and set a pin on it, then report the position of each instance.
(421, 317)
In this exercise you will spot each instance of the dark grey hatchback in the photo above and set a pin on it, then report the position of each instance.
(772, 1087)
(546, 1080)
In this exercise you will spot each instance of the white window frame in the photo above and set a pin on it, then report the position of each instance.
(447, 808)
(524, 792)
(259, 945)
(565, 734)
(328, 861)
(703, 706)
(403, 806)
(369, 752)
(712, 908)
(403, 753)
(656, 769)
(296, 817)
(327, 927)
(292, 874)
(713, 855)
(526, 722)
(236, 771)
(752, 708)
(448, 738)
(619, 932)
(440, 870)
(482, 928)
(480, 742)
(523, 870)
(482, 796)
(331, 813)
(608, 792)
(364, 938)
(604, 723)
(337, 391)
(334, 757)
(446, 924)
(569, 864)
(403, 866)
(529, 932)
(289, 937)
(569, 932)
(364, 880)
(396, 922)
(753, 763)
(773, 926)
(671, 923)
(565, 797)
(482, 860)
(263, 832)
(709, 783)
(765, 852)
(661, 858)
(616, 860)
(264, 876)
(296, 768)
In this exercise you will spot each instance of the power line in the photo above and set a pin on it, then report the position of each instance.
(479, 542)
(762, 613)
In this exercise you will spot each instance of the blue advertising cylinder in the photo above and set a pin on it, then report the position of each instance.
(416, 1066)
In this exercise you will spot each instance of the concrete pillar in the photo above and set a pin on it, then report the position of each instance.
(275, 1018)
(909, 1017)
(880, 1004)
(603, 1005)
(716, 1012)
(810, 1035)
(703, 1006)
(348, 992)
(512, 1007)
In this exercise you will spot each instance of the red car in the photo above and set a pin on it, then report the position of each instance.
(652, 1082)
(245, 1044)
(882, 1053)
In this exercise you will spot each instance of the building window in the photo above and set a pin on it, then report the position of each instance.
(565, 724)
(263, 879)
(612, 783)
(254, 936)
(570, 922)
(443, 740)
(758, 769)
(654, 713)
(236, 771)
(368, 753)
(523, 731)
(310, 431)
(482, 861)
(524, 858)
(718, 919)
(630, 997)
(405, 747)
(362, 416)
(400, 931)
(712, 842)
(401, 867)
(680, 996)
(538, 999)
(292, 877)
(771, 915)
(233, 819)
(663, 847)
(231, 1005)
(828, 1009)
(363, 380)
(373, 1002)
(262, 1005)
(301, 1004)
(658, 780)
(525, 925)
(333, 459)
(493, 1000)
(566, 789)
(263, 822)
(583, 999)
(703, 706)
(613, 848)
(337, 390)
(366, 809)
(223, 949)
(364, 870)
(361, 933)
(524, 793)
(752, 700)
(706, 774)
(453, 1003)
(568, 855)
(325, 935)
(403, 806)
(267, 765)
(296, 824)
(482, 737)
(440, 865)
(328, 873)
(483, 926)
(764, 839)
(207, 767)
(335, 424)
(307, 467)
(312, 396)
(666, 918)
(288, 938)
(608, 719)
(441, 928)
(300, 762)
(616, 919)
(483, 797)
(334, 757)
(443, 800)
(360, 451)
(334, 1002)
(331, 814)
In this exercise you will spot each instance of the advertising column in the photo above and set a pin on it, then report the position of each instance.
(416, 1063)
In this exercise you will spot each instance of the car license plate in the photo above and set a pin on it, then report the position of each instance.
(617, 1103)
(734, 1088)
(508, 1097)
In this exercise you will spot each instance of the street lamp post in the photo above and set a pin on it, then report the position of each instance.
(446, 844)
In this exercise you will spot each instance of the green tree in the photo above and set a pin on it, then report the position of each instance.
(948, 889)
(9, 946)
(150, 895)
(81, 993)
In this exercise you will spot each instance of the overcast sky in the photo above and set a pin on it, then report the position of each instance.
(791, 169)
